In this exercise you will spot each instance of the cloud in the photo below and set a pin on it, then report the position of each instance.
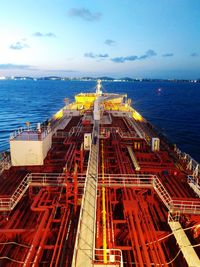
(39, 34)
(194, 55)
(149, 53)
(84, 14)
(62, 70)
(123, 59)
(168, 55)
(91, 55)
(19, 46)
(9, 66)
(131, 58)
(109, 42)
(119, 59)
(102, 55)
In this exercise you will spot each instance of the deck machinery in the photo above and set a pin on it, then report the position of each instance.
(97, 185)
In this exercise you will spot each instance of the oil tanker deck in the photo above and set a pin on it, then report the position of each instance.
(97, 185)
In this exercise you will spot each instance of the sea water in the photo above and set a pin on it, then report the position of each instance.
(173, 107)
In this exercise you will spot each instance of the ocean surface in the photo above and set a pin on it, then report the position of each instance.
(172, 107)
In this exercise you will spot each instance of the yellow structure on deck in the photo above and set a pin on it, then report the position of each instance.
(109, 102)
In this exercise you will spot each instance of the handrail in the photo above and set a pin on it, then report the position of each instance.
(126, 181)
(5, 162)
(192, 164)
(30, 134)
(114, 256)
(52, 179)
(110, 180)
(118, 130)
(5, 203)
(184, 206)
(162, 192)
(194, 184)
(35, 179)
(75, 129)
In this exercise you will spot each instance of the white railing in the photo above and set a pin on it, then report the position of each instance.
(110, 180)
(114, 257)
(186, 206)
(162, 192)
(127, 180)
(53, 179)
(5, 203)
(192, 164)
(194, 184)
(105, 132)
(21, 130)
(30, 134)
(139, 180)
(47, 179)
(5, 162)
(36, 179)
(73, 130)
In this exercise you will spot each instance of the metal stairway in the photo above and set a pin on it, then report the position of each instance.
(162, 192)
(8, 204)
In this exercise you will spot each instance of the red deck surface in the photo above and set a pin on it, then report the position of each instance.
(41, 229)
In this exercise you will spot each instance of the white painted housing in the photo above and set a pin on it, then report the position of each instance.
(30, 152)
(87, 141)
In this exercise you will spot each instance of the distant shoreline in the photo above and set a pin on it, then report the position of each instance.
(104, 79)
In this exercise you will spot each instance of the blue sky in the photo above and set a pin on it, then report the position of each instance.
(136, 38)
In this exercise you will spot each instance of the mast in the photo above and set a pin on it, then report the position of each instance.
(98, 88)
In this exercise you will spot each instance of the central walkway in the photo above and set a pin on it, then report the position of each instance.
(85, 239)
